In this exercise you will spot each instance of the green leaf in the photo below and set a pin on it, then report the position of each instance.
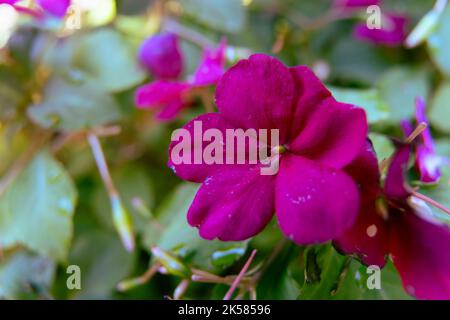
(353, 60)
(353, 284)
(131, 181)
(369, 100)
(12, 93)
(383, 145)
(37, 208)
(103, 263)
(277, 281)
(439, 42)
(330, 275)
(323, 266)
(399, 87)
(24, 275)
(74, 102)
(221, 15)
(184, 241)
(439, 113)
(109, 59)
(440, 193)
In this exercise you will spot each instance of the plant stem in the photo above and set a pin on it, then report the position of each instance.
(102, 166)
(430, 201)
(417, 131)
(21, 163)
(121, 218)
(240, 276)
(187, 34)
(146, 277)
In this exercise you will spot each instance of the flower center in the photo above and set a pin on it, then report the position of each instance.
(382, 208)
(278, 150)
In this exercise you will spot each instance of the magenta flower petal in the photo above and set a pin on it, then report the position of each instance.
(407, 128)
(311, 92)
(233, 204)
(428, 161)
(419, 250)
(334, 134)
(392, 33)
(425, 137)
(365, 171)
(368, 237)
(199, 172)
(212, 66)
(57, 8)
(355, 3)
(395, 186)
(171, 110)
(160, 92)
(314, 203)
(428, 164)
(170, 96)
(161, 55)
(257, 93)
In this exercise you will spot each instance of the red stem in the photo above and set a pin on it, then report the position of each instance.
(431, 201)
(240, 276)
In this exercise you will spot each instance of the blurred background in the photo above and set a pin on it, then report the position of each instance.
(68, 121)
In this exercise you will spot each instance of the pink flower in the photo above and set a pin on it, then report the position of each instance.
(212, 66)
(57, 8)
(417, 244)
(392, 33)
(174, 96)
(161, 55)
(314, 199)
(355, 3)
(428, 161)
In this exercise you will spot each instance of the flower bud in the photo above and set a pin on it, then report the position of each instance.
(122, 223)
(172, 264)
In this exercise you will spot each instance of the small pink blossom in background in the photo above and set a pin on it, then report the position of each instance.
(392, 33)
(161, 55)
(315, 200)
(172, 96)
(212, 66)
(57, 8)
(355, 3)
(428, 162)
(417, 244)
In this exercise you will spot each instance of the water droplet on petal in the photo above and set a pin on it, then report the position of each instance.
(372, 231)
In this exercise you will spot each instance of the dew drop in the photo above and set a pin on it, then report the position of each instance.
(372, 231)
